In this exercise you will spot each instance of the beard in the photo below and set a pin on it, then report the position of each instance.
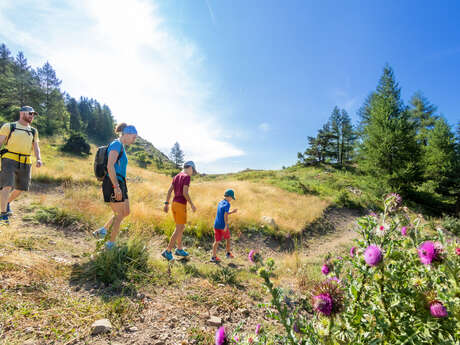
(28, 119)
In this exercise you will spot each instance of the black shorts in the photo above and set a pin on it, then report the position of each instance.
(109, 194)
(15, 174)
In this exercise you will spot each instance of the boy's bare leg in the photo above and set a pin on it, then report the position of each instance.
(228, 245)
(214, 249)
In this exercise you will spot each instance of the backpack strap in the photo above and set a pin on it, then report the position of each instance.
(12, 129)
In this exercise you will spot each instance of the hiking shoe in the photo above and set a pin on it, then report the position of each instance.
(4, 220)
(167, 255)
(180, 252)
(100, 233)
(230, 255)
(8, 209)
(109, 245)
(215, 259)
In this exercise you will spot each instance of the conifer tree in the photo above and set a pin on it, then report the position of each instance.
(389, 150)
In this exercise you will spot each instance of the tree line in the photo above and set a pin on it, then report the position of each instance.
(409, 149)
(20, 84)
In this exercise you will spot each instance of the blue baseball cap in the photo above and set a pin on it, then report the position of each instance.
(190, 164)
(230, 193)
(129, 130)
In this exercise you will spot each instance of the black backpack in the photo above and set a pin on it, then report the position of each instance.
(12, 129)
(100, 161)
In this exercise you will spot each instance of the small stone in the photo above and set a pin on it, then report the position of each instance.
(245, 312)
(132, 329)
(29, 330)
(159, 342)
(101, 326)
(52, 242)
(214, 321)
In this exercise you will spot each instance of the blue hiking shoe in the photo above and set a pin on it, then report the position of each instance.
(4, 220)
(180, 252)
(167, 255)
(8, 209)
(109, 245)
(100, 233)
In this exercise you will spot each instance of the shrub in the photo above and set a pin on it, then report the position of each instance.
(397, 286)
(126, 261)
(451, 224)
(61, 218)
(77, 144)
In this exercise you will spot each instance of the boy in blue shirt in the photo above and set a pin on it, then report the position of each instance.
(221, 230)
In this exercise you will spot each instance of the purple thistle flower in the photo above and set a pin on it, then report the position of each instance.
(373, 214)
(221, 337)
(335, 279)
(295, 327)
(322, 303)
(258, 327)
(251, 255)
(339, 258)
(325, 269)
(353, 251)
(404, 231)
(438, 310)
(236, 338)
(373, 255)
(427, 252)
(457, 250)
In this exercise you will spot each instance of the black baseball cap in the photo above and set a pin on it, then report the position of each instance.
(28, 109)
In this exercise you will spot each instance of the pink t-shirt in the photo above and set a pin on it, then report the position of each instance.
(179, 181)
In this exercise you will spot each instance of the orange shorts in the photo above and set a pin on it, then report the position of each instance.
(220, 235)
(179, 212)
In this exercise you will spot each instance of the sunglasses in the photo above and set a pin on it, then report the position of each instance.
(31, 113)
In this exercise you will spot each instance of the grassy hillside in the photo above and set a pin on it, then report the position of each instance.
(147, 189)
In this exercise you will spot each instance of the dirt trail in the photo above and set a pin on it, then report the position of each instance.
(173, 314)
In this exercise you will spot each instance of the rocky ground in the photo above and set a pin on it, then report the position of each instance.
(182, 311)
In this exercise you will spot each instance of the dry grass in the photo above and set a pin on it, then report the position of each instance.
(147, 189)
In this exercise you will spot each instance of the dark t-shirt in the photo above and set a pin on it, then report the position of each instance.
(179, 181)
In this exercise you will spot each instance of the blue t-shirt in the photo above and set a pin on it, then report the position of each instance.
(120, 166)
(222, 208)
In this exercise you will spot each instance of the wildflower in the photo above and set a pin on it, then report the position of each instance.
(437, 309)
(373, 214)
(221, 337)
(295, 327)
(393, 202)
(323, 303)
(335, 279)
(373, 255)
(339, 258)
(251, 255)
(327, 298)
(353, 251)
(250, 340)
(429, 252)
(404, 231)
(325, 269)
(258, 327)
(457, 250)
(236, 338)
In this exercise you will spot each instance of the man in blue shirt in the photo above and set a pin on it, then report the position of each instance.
(221, 229)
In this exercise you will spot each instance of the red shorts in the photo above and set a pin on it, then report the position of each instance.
(220, 235)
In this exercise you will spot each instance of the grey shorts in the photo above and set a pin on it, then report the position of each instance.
(15, 174)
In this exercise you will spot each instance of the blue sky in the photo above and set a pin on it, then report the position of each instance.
(239, 83)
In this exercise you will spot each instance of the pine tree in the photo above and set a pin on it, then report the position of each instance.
(390, 151)
(8, 107)
(422, 114)
(177, 155)
(75, 119)
(441, 160)
(336, 133)
(348, 138)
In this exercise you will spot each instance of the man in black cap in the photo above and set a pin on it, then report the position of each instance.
(19, 139)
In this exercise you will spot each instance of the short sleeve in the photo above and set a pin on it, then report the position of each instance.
(115, 146)
(36, 139)
(187, 180)
(5, 130)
